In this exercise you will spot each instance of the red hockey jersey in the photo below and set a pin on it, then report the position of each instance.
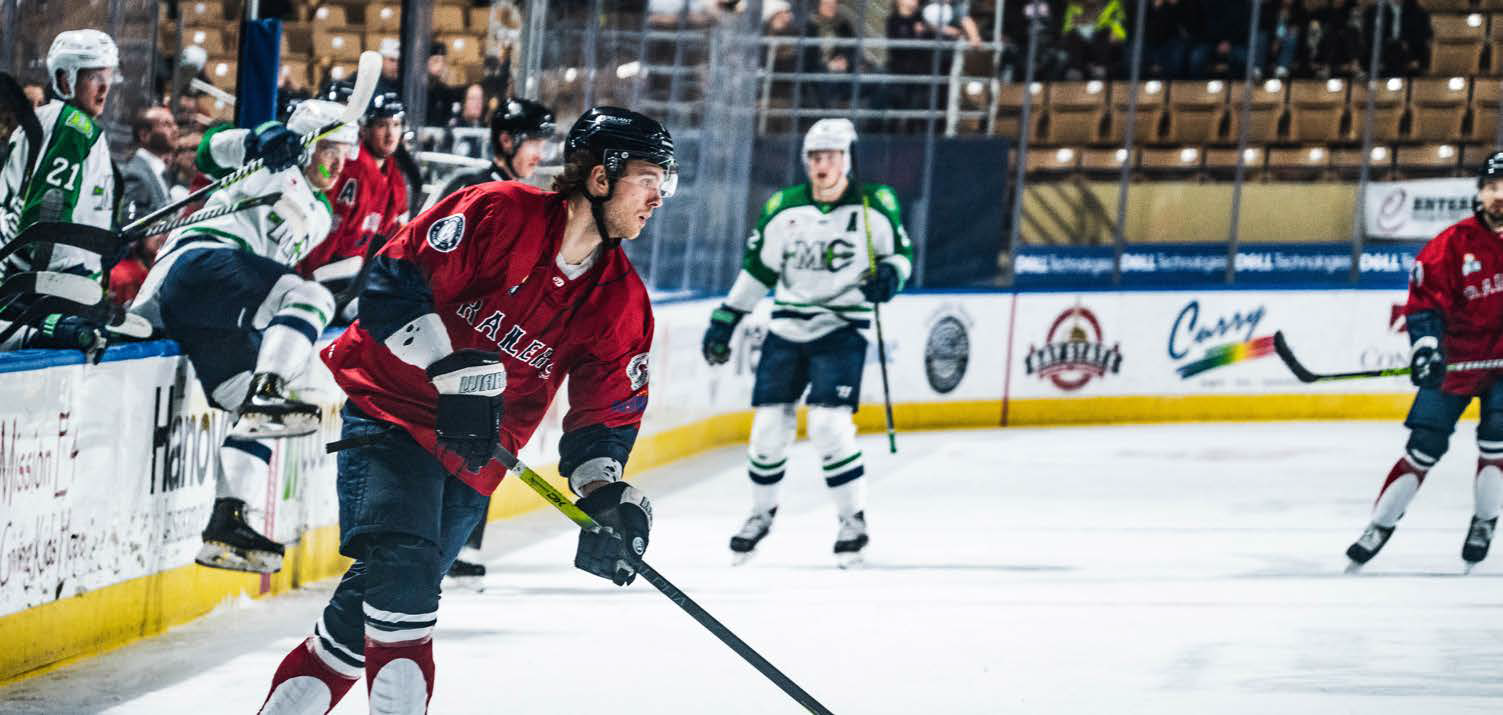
(489, 256)
(368, 199)
(1459, 274)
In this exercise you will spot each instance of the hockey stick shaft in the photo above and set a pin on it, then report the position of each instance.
(367, 74)
(561, 502)
(203, 215)
(871, 257)
(1281, 346)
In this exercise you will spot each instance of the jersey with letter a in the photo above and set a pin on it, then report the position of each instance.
(1459, 274)
(368, 199)
(489, 255)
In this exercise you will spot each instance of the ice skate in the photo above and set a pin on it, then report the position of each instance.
(269, 412)
(744, 543)
(1478, 537)
(230, 543)
(850, 541)
(1367, 546)
(465, 575)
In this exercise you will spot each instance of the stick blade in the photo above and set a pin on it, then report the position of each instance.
(1281, 346)
(76, 288)
(367, 74)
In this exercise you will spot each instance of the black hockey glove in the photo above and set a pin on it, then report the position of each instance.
(627, 513)
(69, 332)
(1427, 363)
(469, 384)
(275, 145)
(717, 343)
(880, 285)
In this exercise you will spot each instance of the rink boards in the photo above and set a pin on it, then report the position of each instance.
(107, 471)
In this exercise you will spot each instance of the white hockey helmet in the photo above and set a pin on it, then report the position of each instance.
(75, 50)
(311, 115)
(828, 134)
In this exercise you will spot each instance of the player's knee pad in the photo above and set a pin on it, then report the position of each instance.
(296, 302)
(401, 588)
(1426, 447)
(773, 430)
(834, 437)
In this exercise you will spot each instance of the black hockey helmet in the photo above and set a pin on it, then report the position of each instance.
(1492, 168)
(382, 105)
(615, 136)
(523, 119)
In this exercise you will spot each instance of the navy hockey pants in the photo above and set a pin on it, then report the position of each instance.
(1432, 419)
(828, 367)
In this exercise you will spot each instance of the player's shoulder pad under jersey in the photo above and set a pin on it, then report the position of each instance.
(785, 199)
(79, 121)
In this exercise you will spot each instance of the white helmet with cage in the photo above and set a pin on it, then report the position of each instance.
(311, 115)
(830, 134)
(75, 50)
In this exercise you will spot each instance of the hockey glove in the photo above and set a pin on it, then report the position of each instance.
(275, 145)
(69, 332)
(717, 343)
(469, 384)
(881, 285)
(1427, 363)
(613, 554)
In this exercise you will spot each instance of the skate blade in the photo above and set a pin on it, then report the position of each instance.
(1353, 567)
(850, 560)
(216, 555)
(740, 557)
(267, 427)
(473, 584)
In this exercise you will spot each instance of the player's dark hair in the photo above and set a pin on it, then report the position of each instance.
(576, 173)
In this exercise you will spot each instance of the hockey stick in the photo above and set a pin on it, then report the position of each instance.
(1303, 374)
(367, 73)
(578, 516)
(86, 238)
(107, 315)
(202, 215)
(76, 288)
(871, 256)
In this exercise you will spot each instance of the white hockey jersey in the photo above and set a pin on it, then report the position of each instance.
(814, 256)
(73, 182)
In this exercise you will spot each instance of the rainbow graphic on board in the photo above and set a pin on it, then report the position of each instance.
(1224, 355)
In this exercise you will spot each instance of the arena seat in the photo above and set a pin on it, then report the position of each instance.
(1427, 160)
(1438, 108)
(1075, 113)
(1221, 162)
(1104, 163)
(1172, 162)
(1457, 47)
(1307, 163)
(1265, 114)
(1010, 110)
(203, 13)
(336, 45)
(1152, 107)
(383, 17)
(1389, 107)
(1347, 163)
(1315, 109)
(463, 49)
(1472, 156)
(330, 17)
(1197, 111)
(1484, 109)
(1053, 160)
(448, 18)
(209, 38)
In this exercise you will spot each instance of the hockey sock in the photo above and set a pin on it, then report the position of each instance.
(1488, 487)
(300, 315)
(850, 497)
(834, 436)
(1398, 490)
(401, 610)
(307, 683)
(772, 432)
(399, 676)
(246, 464)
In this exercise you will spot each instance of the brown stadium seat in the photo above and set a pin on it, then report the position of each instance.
(1472, 156)
(1197, 109)
(1485, 109)
(1300, 164)
(1457, 47)
(1221, 163)
(1315, 109)
(1389, 106)
(1076, 111)
(480, 19)
(209, 38)
(296, 72)
(383, 17)
(1347, 163)
(221, 72)
(1444, 5)
(331, 17)
(1010, 110)
(1427, 160)
(335, 45)
(1437, 108)
(341, 71)
(1152, 106)
(1044, 160)
(448, 18)
(1171, 162)
(1490, 5)
(297, 40)
(1265, 113)
(1104, 163)
(463, 49)
(203, 13)
(373, 39)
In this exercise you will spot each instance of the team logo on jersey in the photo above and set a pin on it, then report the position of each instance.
(947, 351)
(1074, 351)
(887, 199)
(372, 222)
(1469, 264)
(445, 234)
(636, 371)
(832, 256)
(347, 194)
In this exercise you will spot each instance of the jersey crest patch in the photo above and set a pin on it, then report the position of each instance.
(636, 371)
(79, 121)
(347, 194)
(887, 199)
(1470, 264)
(445, 234)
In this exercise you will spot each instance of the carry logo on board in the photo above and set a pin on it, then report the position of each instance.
(445, 234)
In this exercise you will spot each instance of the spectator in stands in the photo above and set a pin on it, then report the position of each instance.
(188, 114)
(1092, 35)
(1284, 23)
(443, 100)
(1338, 42)
(391, 57)
(692, 13)
(828, 25)
(1228, 28)
(1171, 29)
(907, 23)
(183, 169)
(472, 109)
(952, 18)
(1405, 43)
(145, 173)
(777, 21)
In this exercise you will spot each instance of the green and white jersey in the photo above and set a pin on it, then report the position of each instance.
(74, 182)
(285, 231)
(814, 257)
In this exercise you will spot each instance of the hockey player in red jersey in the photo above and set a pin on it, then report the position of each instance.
(1454, 314)
(370, 197)
(473, 315)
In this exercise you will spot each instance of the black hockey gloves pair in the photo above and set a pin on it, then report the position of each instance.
(613, 552)
(717, 342)
(469, 384)
(882, 284)
(275, 145)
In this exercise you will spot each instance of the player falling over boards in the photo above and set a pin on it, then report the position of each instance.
(521, 131)
(1455, 313)
(226, 291)
(813, 245)
(473, 315)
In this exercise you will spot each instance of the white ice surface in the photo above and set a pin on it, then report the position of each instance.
(1145, 569)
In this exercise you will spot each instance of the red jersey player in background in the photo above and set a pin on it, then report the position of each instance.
(1455, 313)
(370, 197)
(473, 315)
